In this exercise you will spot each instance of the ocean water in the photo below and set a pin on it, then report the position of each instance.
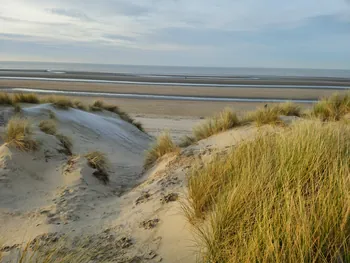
(174, 71)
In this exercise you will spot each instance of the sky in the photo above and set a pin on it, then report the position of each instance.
(220, 33)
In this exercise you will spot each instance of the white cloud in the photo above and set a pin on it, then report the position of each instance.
(134, 21)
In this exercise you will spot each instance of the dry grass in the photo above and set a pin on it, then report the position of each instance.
(26, 98)
(5, 99)
(18, 133)
(79, 105)
(332, 108)
(60, 102)
(223, 121)
(98, 160)
(163, 145)
(280, 198)
(48, 126)
(288, 109)
(187, 141)
(263, 116)
(17, 109)
(66, 144)
(52, 115)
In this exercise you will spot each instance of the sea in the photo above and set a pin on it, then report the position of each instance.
(175, 70)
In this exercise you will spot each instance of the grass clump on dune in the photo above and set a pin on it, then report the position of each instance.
(66, 144)
(60, 102)
(223, 121)
(5, 99)
(263, 116)
(99, 105)
(282, 197)
(187, 141)
(26, 98)
(98, 160)
(289, 109)
(48, 126)
(332, 108)
(18, 133)
(162, 146)
(79, 105)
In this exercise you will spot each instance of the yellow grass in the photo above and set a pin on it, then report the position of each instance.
(187, 141)
(99, 161)
(332, 108)
(263, 116)
(280, 198)
(66, 144)
(79, 105)
(18, 133)
(48, 126)
(288, 109)
(5, 99)
(60, 102)
(26, 98)
(221, 122)
(163, 145)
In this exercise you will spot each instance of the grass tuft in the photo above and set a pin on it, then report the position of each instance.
(5, 99)
(283, 197)
(289, 109)
(163, 145)
(187, 141)
(52, 115)
(60, 102)
(223, 121)
(66, 144)
(79, 105)
(332, 108)
(48, 126)
(17, 109)
(264, 116)
(18, 133)
(26, 98)
(98, 160)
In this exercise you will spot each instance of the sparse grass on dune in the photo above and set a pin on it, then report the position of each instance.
(223, 121)
(332, 108)
(99, 105)
(18, 133)
(26, 98)
(60, 102)
(66, 144)
(48, 126)
(283, 197)
(52, 115)
(5, 99)
(79, 105)
(17, 109)
(187, 141)
(99, 161)
(162, 146)
(263, 116)
(288, 109)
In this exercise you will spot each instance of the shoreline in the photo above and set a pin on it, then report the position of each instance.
(174, 79)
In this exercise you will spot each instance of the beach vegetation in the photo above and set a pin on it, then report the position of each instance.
(221, 122)
(66, 144)
(98, 160)
(48, 126)
(282, 197)
(18, 133)
(162, 146)
(5, 99)
(332, 108)
(26, 98)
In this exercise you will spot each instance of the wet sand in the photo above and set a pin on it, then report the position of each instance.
(175, 107)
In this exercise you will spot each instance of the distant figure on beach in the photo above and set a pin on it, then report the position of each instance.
(265, 106)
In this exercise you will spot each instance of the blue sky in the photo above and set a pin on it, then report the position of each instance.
(224, 33)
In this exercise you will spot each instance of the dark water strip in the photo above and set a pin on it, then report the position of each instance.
(151, 96)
